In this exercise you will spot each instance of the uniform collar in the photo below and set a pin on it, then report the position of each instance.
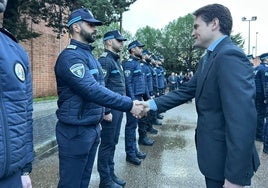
(114, 55)
(81, 45)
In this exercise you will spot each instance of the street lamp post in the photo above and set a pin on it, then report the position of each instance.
(256, 43)
(253, 18)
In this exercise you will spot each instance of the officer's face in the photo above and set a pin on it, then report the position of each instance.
(88, 32)
(3, 4)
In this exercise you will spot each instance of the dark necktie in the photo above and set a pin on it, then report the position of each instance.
(205, 59)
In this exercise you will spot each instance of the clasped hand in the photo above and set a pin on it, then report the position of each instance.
(140, 108)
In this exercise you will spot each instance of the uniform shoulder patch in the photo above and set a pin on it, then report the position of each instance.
(71, 46)
(78, 70)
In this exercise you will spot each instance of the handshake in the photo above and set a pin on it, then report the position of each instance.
(140, 108)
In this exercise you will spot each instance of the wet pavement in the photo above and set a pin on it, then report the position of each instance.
(170, 163)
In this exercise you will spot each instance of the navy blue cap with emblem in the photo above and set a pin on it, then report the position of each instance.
(115, 34)
(264, 56)
(84, 15)
(144, 52)
(134, 44)
(250, 57)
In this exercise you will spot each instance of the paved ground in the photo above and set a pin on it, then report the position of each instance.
(171, 161)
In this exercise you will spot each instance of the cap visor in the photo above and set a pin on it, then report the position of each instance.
(121, 38)
(94, 21)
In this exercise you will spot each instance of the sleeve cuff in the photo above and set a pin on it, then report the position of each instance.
(152, 105)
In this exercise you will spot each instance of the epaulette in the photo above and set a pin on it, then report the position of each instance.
(130, 59)
(71, 46)
(7, 33)
(104, 54)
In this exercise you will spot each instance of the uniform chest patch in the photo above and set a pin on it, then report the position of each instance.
(19, 71)
(127, 73)
(78, 70)
(104, 71)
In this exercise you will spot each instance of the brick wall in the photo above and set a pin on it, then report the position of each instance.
(43, 52)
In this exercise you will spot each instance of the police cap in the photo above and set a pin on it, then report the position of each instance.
(134, 44)
(115, 34)
(144, 52)
(84, 15)
(250, 57)
(264, 56)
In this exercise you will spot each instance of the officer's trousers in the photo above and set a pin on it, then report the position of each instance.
(130, 135)
(265, 135)
(260, 108)
(77, 149)
(109, 139)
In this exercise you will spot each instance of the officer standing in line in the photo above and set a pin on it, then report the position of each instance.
(81, 97)
(16, 130)
(151, 81)
(143, 123)
(259, 100)
(264, 59)
(111, 125)
(135, 89)
(161, 77)
(156, 81)
(161, 81)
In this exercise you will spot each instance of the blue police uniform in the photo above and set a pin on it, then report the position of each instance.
(264, 79)
(259, 100)
(144, 123)
(135, 89)
(81, 97)
(16, 136)
(265, 89)
(115, 81)
(161, 80)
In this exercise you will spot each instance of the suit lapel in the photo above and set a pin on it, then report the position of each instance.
(203, 74)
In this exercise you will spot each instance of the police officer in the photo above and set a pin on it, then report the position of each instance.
(135, 89)
(144, 123)
(151, 80)
(16, 130)
(111, 125)
(81, 97)
(259, 100)
(264, 59)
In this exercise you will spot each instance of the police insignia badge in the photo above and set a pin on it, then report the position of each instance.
(104, 71)
(19, 71)
(127, 73)
(78, 70)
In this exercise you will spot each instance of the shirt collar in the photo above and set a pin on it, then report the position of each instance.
(215, 43)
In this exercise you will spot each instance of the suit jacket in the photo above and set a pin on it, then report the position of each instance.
(224, 93)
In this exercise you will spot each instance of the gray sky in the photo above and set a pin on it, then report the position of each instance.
(158, 13)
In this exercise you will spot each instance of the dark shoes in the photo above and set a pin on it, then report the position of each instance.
(109, 185)
(259, 139)
(119, 181)
(146, 141)
(141, 155)
(152, 131)
(158, 122)
(160, 116)
(133, 160)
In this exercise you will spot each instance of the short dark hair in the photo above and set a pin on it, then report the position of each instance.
(209, 12)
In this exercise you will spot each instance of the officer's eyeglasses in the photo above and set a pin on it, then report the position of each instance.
(119, 40)
(90, 24)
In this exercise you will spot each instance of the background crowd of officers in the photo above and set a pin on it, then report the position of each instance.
(260, 64)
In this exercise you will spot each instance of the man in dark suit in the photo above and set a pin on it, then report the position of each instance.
(224, 92)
